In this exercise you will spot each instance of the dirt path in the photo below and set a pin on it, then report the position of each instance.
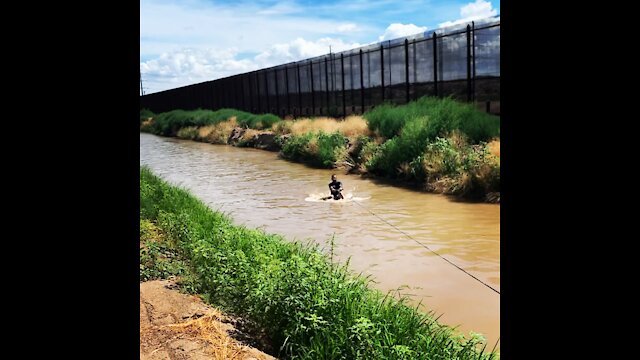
(178, 326)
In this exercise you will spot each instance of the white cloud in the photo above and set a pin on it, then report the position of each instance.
(167, 27)
(189, 66)
(473, 11)
(347, 27)
(480, 8)
(300, 49)
(193, 65)
(396, 30)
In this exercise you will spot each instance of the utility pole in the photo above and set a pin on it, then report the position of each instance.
(141, 88)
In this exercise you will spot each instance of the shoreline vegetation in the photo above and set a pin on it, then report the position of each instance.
(437, 145)
(303, 304)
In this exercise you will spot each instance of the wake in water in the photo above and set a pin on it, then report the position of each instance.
(319, 197)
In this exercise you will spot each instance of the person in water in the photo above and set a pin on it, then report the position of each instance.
(335, 187)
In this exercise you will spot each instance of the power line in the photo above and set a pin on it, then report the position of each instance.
(426, 247)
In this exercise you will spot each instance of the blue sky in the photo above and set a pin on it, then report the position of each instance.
(191, 41)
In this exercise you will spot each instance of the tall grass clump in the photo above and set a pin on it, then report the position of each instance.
(401, 150)
(353, 126)
(450, 165)
(145, 114)
(320, 149)
(331, 148)
(247, 120)
(218, 133)
(297, 147)
(388, 119)
(310, 307)
(258, 122)
(169, 123)
(444, 115)
(189, 133)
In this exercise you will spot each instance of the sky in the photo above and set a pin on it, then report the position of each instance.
(190, 41)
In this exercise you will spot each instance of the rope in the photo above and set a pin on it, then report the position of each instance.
(426, 247)
(494, 346)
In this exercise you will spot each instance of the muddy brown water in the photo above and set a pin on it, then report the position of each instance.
(257, 189)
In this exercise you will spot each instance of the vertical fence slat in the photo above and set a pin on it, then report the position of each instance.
(250, 94)
(313, 95)
(286, 80)
(299, 91)
(344, 104)
(406, 69)
(435, 64)
(361, 85)
(382, 69)
(326, 81)
(266, 88)
(469, 63)
(259, 94)
(473, 56)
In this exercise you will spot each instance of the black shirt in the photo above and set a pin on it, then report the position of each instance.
(335, 185)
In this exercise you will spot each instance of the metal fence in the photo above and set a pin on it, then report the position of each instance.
(463, 63)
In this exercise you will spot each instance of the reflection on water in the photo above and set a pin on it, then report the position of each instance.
(257, 189)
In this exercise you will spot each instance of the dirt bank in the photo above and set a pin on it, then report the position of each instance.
(178, 326)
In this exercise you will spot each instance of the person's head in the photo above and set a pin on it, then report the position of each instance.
(334, 177)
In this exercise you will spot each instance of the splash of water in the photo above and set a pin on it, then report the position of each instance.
(322, 197)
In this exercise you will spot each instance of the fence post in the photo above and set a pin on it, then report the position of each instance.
(435, 64)
(473, 55)
(237, 91)
(344, 104)
(236, 100)
(213, 95)
(266, 87)
(406, 68)
(244, 108)
(468, 62)
(299, 90)
(353, 103)
(286, 80)
(210, 96)
(221, 93)
(259, 95)
(415, 70)
(361, 85)
(230, 93)
(216, 98)
(382, 69)
(250, 94)
(313, 98)
(275, 73)
(326, 80)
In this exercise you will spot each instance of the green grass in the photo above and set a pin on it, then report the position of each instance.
(317, 148)
(189, 133)
(401, 149)
(169, 123)
(312, 308)
(145, 114)
(443, 115)
(440, 143)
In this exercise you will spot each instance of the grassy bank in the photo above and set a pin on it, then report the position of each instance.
(311, 308)
(439, 145)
